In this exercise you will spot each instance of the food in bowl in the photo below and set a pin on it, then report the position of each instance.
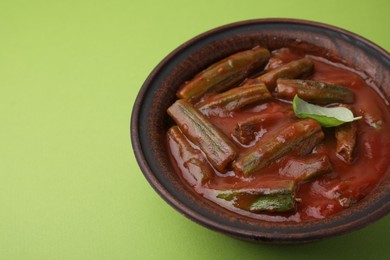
(280, 135)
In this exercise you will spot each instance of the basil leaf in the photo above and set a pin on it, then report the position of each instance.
(326, 116)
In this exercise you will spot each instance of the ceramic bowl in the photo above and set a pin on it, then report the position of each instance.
(150, 122)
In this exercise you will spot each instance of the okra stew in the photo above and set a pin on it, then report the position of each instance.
(279, 135)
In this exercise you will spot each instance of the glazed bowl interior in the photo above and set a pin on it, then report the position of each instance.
(150, 122)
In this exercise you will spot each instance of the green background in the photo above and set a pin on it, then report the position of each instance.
(70, 187)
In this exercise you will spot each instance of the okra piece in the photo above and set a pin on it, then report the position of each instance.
(246, 130)
(306, 146)
(191, 158)
(236, 98)
(307, 168)
(290, 70)
(218, 148)
(314, 91)
(300, 136)
(273, 196)
(224, 74)
(346, 135)
(273, 203)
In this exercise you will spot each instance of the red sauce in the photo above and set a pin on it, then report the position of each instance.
(332, 192)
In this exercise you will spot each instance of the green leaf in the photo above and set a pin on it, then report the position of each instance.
(326, 116)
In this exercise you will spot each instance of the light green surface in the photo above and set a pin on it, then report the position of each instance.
(70, 187)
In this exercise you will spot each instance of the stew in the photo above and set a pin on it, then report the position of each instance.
(238, 142)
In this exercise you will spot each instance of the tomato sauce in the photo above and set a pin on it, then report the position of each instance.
(332, 192)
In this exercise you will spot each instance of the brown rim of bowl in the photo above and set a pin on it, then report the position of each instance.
(379, 210)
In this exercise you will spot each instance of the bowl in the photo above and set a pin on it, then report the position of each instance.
(149, 123)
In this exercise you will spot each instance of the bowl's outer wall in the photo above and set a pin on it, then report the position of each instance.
(150, 122)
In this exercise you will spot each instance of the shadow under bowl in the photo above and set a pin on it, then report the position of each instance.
(150, 122)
